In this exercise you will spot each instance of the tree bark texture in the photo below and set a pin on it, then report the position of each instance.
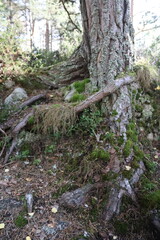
(107, 36)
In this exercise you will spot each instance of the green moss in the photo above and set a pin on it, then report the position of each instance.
(150, 165)
(77, 97)
(110, 137)
(138, 108)
(151, 200)
(80, 85)
(131, 134)
(100, 154)
(127, 174)
(120, 140)
(135, 163)
(20, 221)
(114, 113)
(31, 120)
(127, 148)
(131, 126)
(109, 176)
(37, 162)
(120, 227)
(138, 153)
(63, 189)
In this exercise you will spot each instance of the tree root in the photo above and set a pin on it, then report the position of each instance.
(123, 187)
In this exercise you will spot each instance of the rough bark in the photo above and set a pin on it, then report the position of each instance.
(108, 34)
(75, 68)
(106, 44)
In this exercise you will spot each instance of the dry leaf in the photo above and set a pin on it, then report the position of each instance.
(28, 238)
(2, 225)
(156, 157)
(54, 210)
(6, 170)
(31, 214)
(28, 179)
(127, 168)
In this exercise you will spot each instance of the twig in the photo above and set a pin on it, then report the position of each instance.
(7, 164)
(70, 17)
(4, 142)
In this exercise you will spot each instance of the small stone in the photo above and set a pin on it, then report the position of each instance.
(9, 84)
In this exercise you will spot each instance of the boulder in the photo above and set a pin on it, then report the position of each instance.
(16, 96)
(69, 95)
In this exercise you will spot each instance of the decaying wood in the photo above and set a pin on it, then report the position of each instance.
(12, 147)
(4, 142)
(109, 89)
(14, 134)
(78, 197)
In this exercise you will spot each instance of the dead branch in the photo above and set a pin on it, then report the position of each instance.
(4, 142)
(69, 16)
(21, 124)
(15, 132)
(33, 99)
(110, 88)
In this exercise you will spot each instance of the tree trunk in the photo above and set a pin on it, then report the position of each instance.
(106, 46)
(47, 36)
(107, 36)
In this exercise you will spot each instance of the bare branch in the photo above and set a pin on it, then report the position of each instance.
(62, 1)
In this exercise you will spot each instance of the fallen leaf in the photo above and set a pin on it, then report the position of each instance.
(6, 170)
(2, 225)
(31, 214)
(28, 238)
(55, 209)
(28, 179)
(156, 157)
(127, 168)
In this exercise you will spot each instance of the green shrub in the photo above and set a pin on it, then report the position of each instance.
(87, 122)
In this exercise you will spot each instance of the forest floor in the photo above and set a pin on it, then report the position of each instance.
(57, 164)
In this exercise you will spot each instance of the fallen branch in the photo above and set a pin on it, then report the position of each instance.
(33, 99)
(110, 88)
(14, 134)
(4, 142)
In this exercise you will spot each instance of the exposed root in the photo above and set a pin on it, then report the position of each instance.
(123, 187)
(54, 118)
